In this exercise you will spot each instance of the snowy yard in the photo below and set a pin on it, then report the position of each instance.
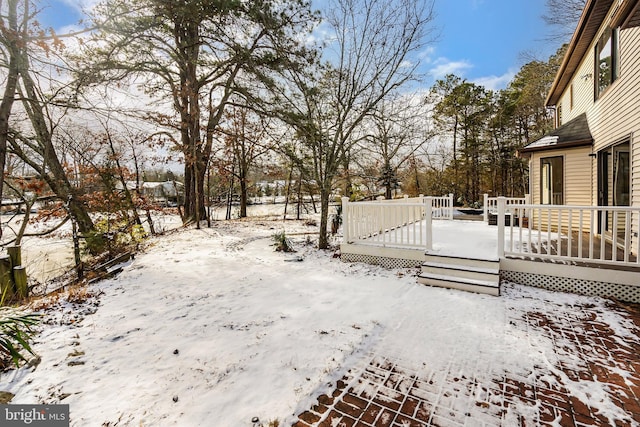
(212, 327)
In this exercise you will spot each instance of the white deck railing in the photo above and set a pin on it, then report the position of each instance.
(599, 234)
(442, 207)
(490, 204)
(400, 222)
(596, 234)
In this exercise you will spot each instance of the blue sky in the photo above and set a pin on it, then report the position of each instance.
(480, 40)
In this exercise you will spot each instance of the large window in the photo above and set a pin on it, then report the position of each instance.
(552, 181)
(606, 66)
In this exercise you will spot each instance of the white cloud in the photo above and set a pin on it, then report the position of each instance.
(495, 82)
(322, 34)
(82, 5)
(426, 55)
(443, 66)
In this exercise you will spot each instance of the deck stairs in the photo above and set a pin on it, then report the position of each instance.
(467, 274)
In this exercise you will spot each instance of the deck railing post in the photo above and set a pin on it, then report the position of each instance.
(502, 204)
(428, 208)
(345, 219)
(450, 205)
(485, 208)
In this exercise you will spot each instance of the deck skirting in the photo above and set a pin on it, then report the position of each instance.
(603, 281)
(593, 281)
(387, 257)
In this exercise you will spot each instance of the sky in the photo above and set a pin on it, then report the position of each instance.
(480, 40)
(483, 40)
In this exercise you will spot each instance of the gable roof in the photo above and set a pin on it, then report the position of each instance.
(626, 15)
(574, 133)
(592, 17)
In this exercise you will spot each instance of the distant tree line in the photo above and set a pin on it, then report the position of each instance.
(487, 128)
(236, 91)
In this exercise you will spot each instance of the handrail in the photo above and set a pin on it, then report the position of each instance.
(490, 204)
(401, 222)
(592, 234)
(599, 234)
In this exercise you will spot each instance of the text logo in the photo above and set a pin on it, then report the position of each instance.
(34, 415)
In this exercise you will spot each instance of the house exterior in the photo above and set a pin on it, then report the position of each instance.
(591, 157)
(578, 229)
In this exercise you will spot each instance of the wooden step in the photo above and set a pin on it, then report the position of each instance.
(461, 283)
(462, 271)
(481, 275)
(487, 263)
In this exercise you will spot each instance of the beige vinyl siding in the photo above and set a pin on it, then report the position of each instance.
(577, 179)
(583, 88)
(617, 112)
(616, 115)
(613, 117)
(577, 167)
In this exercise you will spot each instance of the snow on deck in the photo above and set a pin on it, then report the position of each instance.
(462, 238)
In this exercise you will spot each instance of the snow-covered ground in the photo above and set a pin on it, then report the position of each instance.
(213, 327)
(50, 256)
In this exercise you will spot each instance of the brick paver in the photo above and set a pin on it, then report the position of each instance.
(388, 391)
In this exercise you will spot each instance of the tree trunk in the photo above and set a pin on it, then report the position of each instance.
(194, 177)
(229, 196)
(51, 170)
(323, 240)
(288, 193)
(187, 34)
(123, 182)
(15, 254)
(299, 197)
(243, 195)
(8, 97)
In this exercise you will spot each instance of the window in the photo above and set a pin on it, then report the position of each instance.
(606, 66)
(552, 181)
(621, 180)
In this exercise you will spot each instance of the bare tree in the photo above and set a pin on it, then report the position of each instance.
(247, 138)
(11, 33)
(396, 132)
(562, 16)
(43, 100)
(370, 57)
(194, 53)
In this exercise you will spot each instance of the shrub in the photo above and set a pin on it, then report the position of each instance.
(16, 328)
(282, 242)
(114, 236)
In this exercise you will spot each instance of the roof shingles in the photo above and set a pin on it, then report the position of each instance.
(574, 133)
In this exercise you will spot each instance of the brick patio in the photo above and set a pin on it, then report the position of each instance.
(387, 391)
